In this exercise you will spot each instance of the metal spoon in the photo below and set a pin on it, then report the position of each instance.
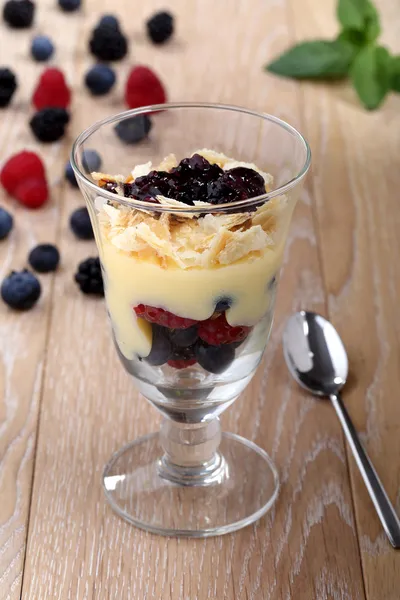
(317, 359)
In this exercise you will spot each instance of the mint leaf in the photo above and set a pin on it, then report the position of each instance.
(352, 13)
(371, 75)
(317, 59)
(395, 73)
(352, 36)
(372, 26)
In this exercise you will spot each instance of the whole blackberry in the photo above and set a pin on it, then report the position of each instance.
(48, 124)
(108, 43)
(19, 13)
(160, 27)
(89, 277)
(8, 85)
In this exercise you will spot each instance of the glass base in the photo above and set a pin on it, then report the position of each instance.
(241, 485)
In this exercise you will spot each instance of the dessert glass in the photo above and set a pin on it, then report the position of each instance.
(189, 479)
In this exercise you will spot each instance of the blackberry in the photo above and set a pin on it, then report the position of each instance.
(160, 27)
(108, 43)
(48, 124)
(19, 13)
(100, 79)
(8, 85)
(81, 225)
(44, 258)
(134, 129)
(6, 223)
(21, 290)
(89, 277)
(42, 48)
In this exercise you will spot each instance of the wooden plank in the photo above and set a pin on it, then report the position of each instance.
(356, 187)
(77, 548)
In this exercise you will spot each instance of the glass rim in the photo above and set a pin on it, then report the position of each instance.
(141, 204)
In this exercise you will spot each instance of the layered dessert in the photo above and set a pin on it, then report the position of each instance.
(187, 288)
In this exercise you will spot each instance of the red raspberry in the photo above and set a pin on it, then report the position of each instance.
(32, 192)
(218, 331)
(143, 88)
(182, 363)
(21, 166)
(163, 317)
(51, 90)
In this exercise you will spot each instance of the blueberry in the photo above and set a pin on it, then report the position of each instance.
(215, 359)
(100, 79)
(69, 5)
(81, 225)
(161, 348)
(21, 290)
(91, 160)
(42, 48)
(134, 129)
(44, 258)
(109, 21)
(70, 175)
(223, 304)
(183, 337)
(6, 223)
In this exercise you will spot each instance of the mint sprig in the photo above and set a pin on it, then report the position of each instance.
(355, 53)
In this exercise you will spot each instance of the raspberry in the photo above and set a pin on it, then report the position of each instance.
(182, 363)
(51, 90)
(218, 331)
(143, 88)
(163, 317)
(18, 168)
(32, 192)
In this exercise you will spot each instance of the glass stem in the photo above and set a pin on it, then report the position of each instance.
(191, 454)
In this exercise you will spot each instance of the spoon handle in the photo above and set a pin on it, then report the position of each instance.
(383, 506)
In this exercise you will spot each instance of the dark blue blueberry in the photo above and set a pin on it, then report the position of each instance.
(161, 347)
(183, 337)
(134, 129)
(100, 79)
(69, 5)
(42, 48)
(215, 359)
(21, 290)
(70, 175)
(6, 223)
(44, 258)
(109, 21)
(81, 225)
(91, 160)
(223, 304)
(160, 27)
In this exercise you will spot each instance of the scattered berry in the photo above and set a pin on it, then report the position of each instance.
(6, 223)
(240, 183)
(48, 124)
(32, 192)
(42, 48)
(52, 90)
(8, 85)
(70, 175)
(160, 27)
(223, 304)
(81, 225)
(143, 87)
(20, 167)
(69, 5)
(215, 359)
(91, 161)
(109, 21)
(21, 290)
(163, 317)
(89, 277)
(133, 129)
(44, 258)
(216, 331)
(108, 43)
(100, 79)
(161, 348)
(182, 363)
(182, 338)
(19, 13)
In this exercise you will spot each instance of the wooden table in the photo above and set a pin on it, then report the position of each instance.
(66, 404)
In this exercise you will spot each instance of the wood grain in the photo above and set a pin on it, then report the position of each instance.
(62, 357)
